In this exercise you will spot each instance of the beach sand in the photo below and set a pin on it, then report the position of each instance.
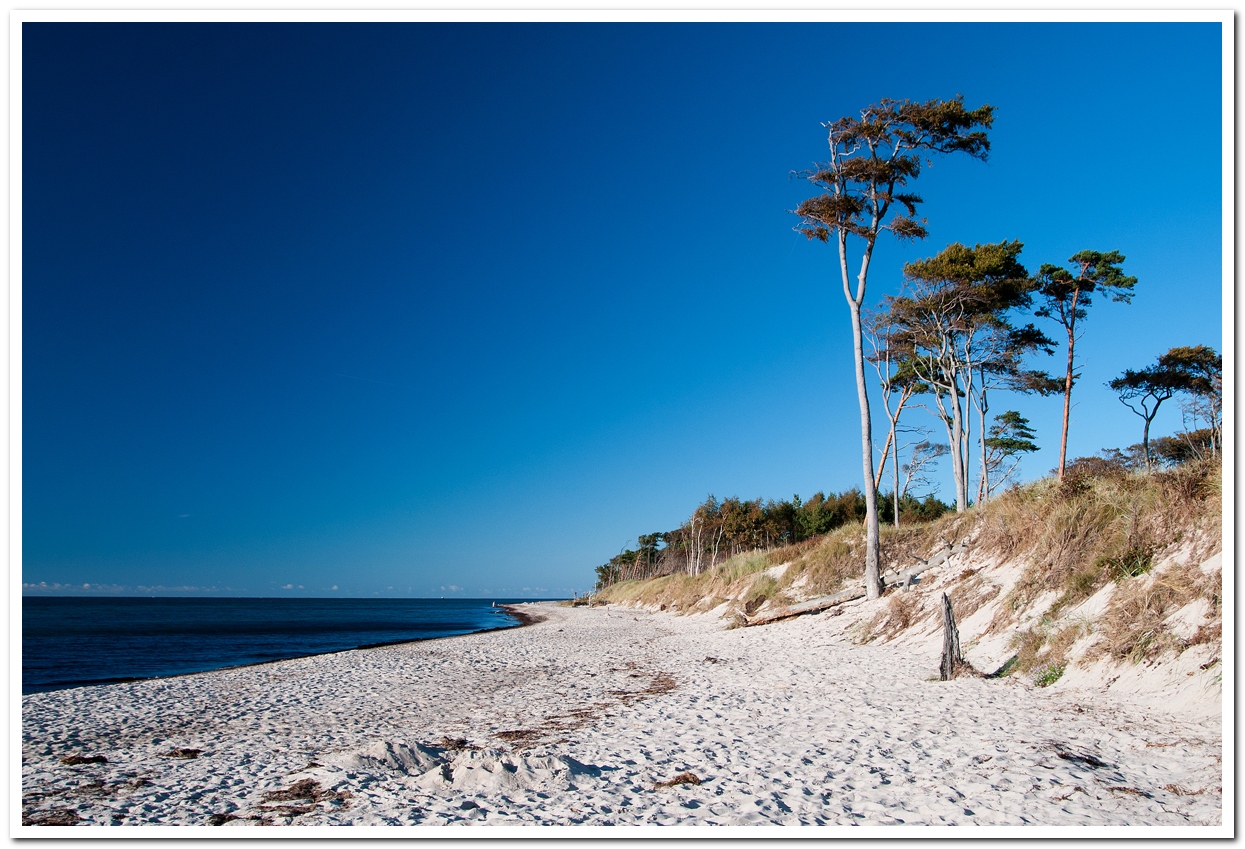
(579, 718)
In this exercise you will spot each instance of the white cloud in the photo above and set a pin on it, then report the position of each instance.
(334, 586)
(288, 587)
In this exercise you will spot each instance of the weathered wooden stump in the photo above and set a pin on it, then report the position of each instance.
(952, 658)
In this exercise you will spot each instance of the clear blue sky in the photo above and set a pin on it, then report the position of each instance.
(462, 309)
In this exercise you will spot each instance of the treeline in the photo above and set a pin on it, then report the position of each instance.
(720, 529)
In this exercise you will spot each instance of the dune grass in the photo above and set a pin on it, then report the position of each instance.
(1072, 538)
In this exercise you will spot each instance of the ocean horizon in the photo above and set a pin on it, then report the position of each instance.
(74, 641)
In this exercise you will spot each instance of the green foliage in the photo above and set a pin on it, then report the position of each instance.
(1197, 371)
(1200, 366)
(1184, 447)
(1135, 560)
(912, 509)
(1011, 434)
(820, 515)
(1048, 674)
(1065, 295)
(874, 156)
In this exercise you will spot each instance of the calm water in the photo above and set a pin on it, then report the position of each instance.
(69, 642)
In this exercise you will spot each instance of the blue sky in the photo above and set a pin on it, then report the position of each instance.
(462, 309)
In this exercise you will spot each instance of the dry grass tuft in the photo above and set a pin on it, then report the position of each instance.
(762, 590)
(1043, 651)
(1132, 628)
(902, 611)
(838, 559)
(1080, 534)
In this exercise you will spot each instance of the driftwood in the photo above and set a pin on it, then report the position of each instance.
(952, 657)
(905, 576)
(890, 577)
(815, 606)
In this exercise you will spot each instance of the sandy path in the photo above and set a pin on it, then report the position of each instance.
(578, 716)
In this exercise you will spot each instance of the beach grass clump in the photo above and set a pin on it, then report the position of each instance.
(901, 612)
(1078, 535)
(1044, 647)
(742, 565)
(970, 592)
(836, 560)
(1133, 627)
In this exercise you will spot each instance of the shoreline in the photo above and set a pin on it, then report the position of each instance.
(521, 618)
(593, 717)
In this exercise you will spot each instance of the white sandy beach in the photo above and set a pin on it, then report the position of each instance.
(575, 719)
(579, 716)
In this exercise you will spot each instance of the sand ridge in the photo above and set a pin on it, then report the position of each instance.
(579, 718)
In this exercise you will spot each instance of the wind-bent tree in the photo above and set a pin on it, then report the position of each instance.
(1010, 436)
(1144, 392)
(872, 159)
(915, 472)
(954, 315)
(1201, 368)
(1065, 298)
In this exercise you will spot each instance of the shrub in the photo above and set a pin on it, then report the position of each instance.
(1048, 674)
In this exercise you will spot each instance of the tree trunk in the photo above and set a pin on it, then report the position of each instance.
(1067, 386)
(886, 449)
(873, 575)
(895, 450)
(957, 452)
(1145, 438)
(952, 444)
(983, 492)
(952, 658)
(873, 572)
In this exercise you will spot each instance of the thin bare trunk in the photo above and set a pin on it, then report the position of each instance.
(881, 469)
(1145, 439)
(983, 490)
(873, 576)
(957, 455)
(1070, 324)
(873, 572)
(895, 469)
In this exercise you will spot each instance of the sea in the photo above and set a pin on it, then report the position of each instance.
(75, 641)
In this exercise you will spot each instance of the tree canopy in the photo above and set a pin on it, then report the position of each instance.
(1066, 295)
(954, 319)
